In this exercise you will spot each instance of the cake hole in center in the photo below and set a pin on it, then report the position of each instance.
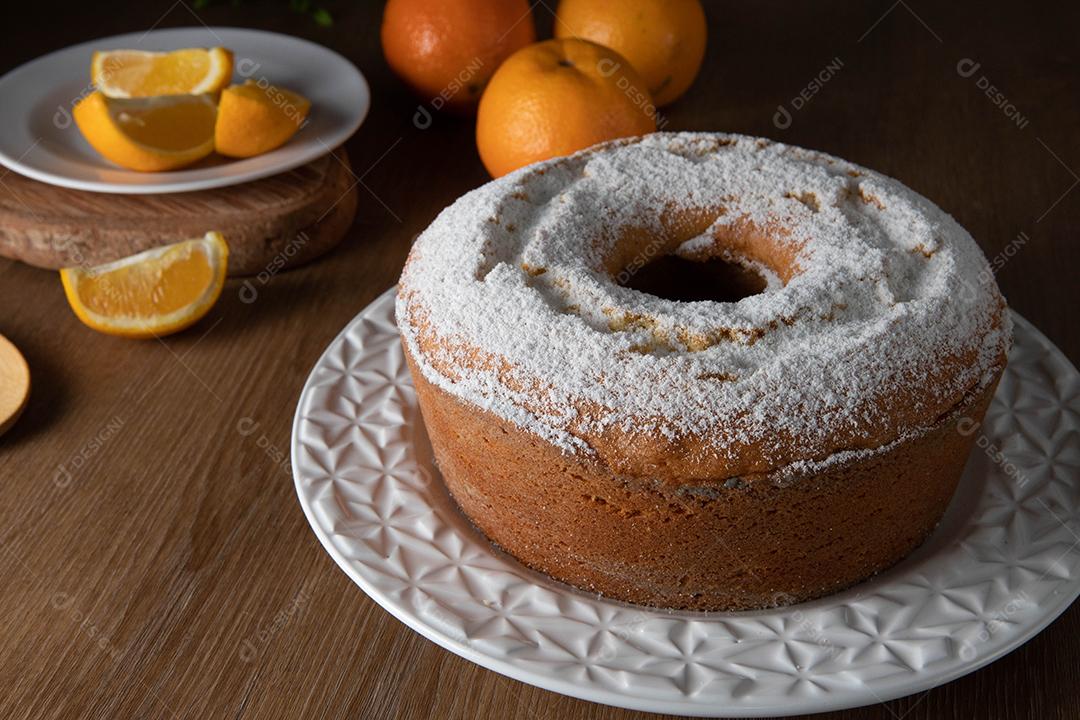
(674, 278)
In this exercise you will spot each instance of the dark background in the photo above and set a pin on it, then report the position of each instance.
(179, 538)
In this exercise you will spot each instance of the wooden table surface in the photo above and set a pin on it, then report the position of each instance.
(156, 563)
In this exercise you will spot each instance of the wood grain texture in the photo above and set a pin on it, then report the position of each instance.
(156, 561)
(277, 222)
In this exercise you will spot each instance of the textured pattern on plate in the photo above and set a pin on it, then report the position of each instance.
(1003, 564)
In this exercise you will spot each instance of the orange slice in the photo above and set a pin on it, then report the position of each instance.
(148, 134)
(254, 118)
(153, 293)
(138, 73)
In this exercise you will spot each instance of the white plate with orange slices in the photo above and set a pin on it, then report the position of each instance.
(42, 139)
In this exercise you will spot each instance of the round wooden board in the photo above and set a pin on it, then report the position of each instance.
(14, 384)
(270, 224)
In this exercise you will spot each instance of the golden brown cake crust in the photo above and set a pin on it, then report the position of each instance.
(709, 455)
(723, 544)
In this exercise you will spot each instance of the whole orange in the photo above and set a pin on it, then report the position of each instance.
(446, 51)
(555, 98)
(663, 39)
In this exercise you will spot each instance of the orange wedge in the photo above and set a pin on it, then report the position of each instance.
(138, 73)
(148, 134)
(254, 118)
(153, 293)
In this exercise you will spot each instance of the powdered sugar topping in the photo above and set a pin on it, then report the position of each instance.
(512, 301)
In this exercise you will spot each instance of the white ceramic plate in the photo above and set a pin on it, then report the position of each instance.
(1003, 564)
(40, 140)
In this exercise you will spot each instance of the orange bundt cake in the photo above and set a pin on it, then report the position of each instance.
(730, 443)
